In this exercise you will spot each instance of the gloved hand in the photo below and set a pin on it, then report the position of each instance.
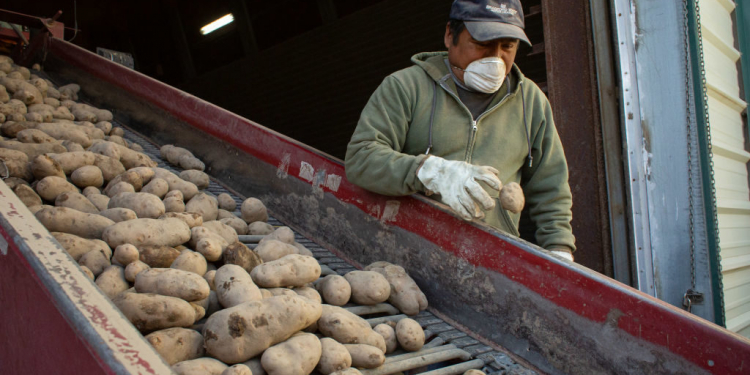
(562, 252)
(457, 183)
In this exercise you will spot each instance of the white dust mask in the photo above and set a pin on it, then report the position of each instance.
(485, 75)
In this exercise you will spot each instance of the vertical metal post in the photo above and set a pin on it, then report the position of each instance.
(635, 154)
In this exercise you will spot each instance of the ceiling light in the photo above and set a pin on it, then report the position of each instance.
(223, 21)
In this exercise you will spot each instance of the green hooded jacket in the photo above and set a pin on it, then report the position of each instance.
(393, 134)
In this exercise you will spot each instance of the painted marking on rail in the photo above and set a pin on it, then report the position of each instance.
(306, 171)
(333, 181)
(390, 211)
(283, 170)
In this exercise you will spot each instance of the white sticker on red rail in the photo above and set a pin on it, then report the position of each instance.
(390, 211)
(333, 181)
(283, 169)
(306, 171)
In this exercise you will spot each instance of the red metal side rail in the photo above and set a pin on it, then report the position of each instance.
(53, 319)
(587, 294)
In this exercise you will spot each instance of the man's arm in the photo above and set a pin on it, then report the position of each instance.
(373, 158)
(546, 187)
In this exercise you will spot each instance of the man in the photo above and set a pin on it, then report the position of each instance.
(464, 123)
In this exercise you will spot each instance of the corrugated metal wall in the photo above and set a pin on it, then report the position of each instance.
(730, 158)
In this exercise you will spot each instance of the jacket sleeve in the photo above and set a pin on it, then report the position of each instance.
(374, 159)
(546, 187)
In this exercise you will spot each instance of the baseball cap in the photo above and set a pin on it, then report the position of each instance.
(491, 19)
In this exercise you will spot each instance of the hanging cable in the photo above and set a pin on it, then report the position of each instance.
(75, 21)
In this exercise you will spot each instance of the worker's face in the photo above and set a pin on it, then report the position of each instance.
(468, 50)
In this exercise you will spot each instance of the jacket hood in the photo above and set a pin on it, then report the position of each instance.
(432, 63)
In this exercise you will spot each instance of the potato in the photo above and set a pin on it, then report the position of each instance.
(348, 371)
(189, 162)
(63, 131)
(365, 356)
(234, 286)
(224, 214)
(131, 177)
(188, 189)
(301, 249)
(88, 190)
(156, 186)
(110, 167)
(225, 231)
(474, 372)
(133, 269)
(27, 195)
(70, 161)
(410, 334)
(148, 232)
(119, 214)
(177, 344)
(101, 201)
(405, 294)
(238, 369)
(117, 131)
(96, 261)
(389, 335)
(67, 220)
(281, 292)
(239, 225)
(88, 272)
(190, 261)
(88, 175)
(335, 290)
(283, 234)
(334, 357)
(52, 186)
(75, 201)
(34, 136)
(172, 282)
(511, 197)
(368, 287)
(192, 219)
(145, 205)
(174, 194)
(10, 128)
(239, 254)
(211, 248)
(104, 126)
(112, 281)
(200, 179)
(259, 228)
(253, 210)
(238, 333)
(76, 246)
(226, 202)
(200, 366)
(146, 174)
(290, 270)
(43, 166)
(348, 328)
(150, 312)
(210, 276)
(158, 256)
(298, 355)
(32, 150)
(126, 254)
(272, 250)
(174, 204)
(205, 205)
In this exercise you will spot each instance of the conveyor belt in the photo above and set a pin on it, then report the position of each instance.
(447, 350)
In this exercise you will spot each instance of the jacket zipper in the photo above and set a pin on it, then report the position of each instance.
(473, 131)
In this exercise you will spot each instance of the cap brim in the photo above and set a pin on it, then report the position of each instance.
(484, 31)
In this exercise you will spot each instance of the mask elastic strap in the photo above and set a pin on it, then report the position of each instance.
(432, 114)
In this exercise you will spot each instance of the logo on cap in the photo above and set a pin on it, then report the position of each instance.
(503, 9)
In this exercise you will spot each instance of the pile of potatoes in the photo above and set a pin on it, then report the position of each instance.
(167, 253)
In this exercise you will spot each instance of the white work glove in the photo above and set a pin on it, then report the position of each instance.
(563, 254)
(457, 183)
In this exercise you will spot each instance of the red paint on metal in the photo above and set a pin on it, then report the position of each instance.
(36, 337)
(587, 294)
